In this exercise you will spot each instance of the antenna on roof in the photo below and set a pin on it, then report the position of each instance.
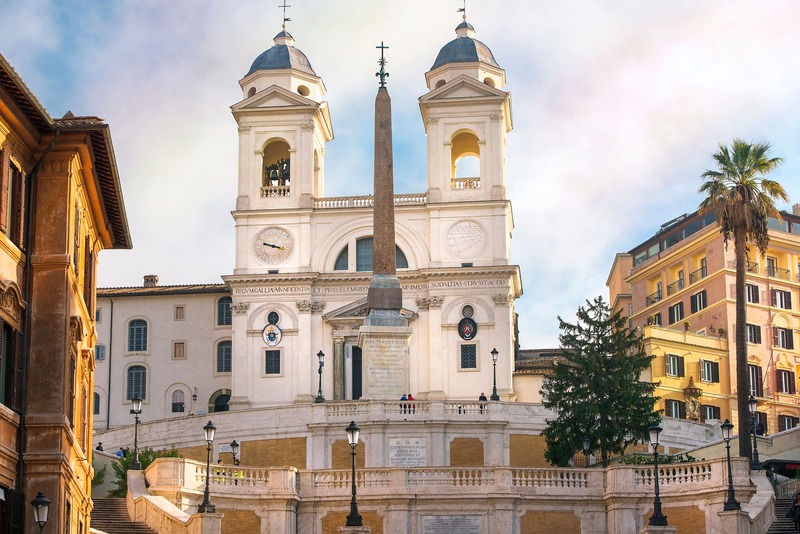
(382, 74)
(285, 19)
(463, 10)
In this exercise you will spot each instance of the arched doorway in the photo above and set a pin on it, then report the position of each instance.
(219, 401)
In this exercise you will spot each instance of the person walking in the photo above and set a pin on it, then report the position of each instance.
(794, 512)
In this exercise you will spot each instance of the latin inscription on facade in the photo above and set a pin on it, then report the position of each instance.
(363, 289)
(451, 524)
(408, 452)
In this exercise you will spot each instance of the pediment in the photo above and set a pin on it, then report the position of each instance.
(358, 309)
(463, 87)
(274, 97)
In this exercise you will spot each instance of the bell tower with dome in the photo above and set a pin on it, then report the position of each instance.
(284, 125)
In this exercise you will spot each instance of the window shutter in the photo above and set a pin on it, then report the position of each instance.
(774, 297)
(671, 314)
(757, 336)
(680, 310)
(788, 300)
(715, 371)
(16, 507)
(666, 365)
(775, 337)
(703, 376)
(789, 339)
(18, 210)
(759, 382)
(693, 302)
(19, 357)
(702, 413)
(682, 409)
(4, 192)
(681, 372)
(792, 389)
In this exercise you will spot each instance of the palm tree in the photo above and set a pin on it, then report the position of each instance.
(743, 201)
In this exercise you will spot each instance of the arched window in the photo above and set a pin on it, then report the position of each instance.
(342, 260)
(219, 401)
(364, 255)
(224, 311)
(137, 335)
(137, 382)
(465, 154)
(96, 406)
(276, 176)
(178, 401)
(224, 352)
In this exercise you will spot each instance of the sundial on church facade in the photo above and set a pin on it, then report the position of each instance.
(466, 239)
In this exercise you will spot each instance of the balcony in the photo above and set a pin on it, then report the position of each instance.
(777, 272)
(653, 298)
(750, 266)
(699, 274)
(674, 287)
(368, 201)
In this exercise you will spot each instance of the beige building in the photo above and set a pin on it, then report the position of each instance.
(60, 205)
(681, 282)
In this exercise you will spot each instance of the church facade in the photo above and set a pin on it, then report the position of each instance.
(303, 260)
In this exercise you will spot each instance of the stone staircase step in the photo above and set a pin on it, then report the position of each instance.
(111, 517)
(782, 524)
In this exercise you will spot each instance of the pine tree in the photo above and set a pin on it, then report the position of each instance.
(595, 387)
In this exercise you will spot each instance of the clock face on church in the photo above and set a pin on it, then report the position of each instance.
(273, 245)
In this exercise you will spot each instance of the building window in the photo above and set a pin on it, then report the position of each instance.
(783, 338)
(99, 352)
(137, 382)
(787, 422)
(137, 336)
(178, 402)
(180, 313)
(224, 311)
(772, 266)
(710, 412)
(698, 301)
(785, 381)
(761, 423)
(676, 409)
(675, 313)
(178, 350)
(752, 293)
(272, 362)
(782, 299)
(675, 365)
(709, 371)
(755, 380)
(469, 356)
(657, 319)
(753, 334)
(98, 315)
(224, 352)
(96, 404)
(364, 255)
(342, 261)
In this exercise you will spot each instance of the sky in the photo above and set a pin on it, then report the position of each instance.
(617, 108)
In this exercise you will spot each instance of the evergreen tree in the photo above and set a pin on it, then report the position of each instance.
(595, 388)
(146, 457)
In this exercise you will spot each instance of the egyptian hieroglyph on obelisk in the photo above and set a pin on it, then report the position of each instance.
(385, 336)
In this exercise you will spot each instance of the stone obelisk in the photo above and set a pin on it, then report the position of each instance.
(384, 337)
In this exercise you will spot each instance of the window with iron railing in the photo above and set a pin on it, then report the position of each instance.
(699, 274)
(675, 286)
(653, 298)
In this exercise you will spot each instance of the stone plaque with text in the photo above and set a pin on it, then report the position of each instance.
(408, 452)
(385, 361)
(451, 524)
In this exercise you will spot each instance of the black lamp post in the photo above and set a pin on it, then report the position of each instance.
(321, 356)
(136, 409)
(41, 508)
(494, 396)
(657, 519)
(731, 503)
(752, 405)
(206, 506)
(234, 450)
(354, 518)
(587, 442)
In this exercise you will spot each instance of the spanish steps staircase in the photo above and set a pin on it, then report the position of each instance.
(782, 523)
(111, 516)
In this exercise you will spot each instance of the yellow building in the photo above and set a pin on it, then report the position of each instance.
(60, 205)
(682, 282)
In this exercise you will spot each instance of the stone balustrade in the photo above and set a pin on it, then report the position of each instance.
(419, 199)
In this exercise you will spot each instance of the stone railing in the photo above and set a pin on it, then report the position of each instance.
(275, 191)
(457, 184)
(367, 201)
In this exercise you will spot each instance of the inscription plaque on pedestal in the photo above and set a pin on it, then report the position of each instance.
(408, 452)
(451, 524)
(385, 361)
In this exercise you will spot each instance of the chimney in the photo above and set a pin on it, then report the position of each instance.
(150, 280)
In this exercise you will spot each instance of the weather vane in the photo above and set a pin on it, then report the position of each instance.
(463, 10)
(382, 74)
(285, 19)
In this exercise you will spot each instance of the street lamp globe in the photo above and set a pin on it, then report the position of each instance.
(210, 431)
(41, 509)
